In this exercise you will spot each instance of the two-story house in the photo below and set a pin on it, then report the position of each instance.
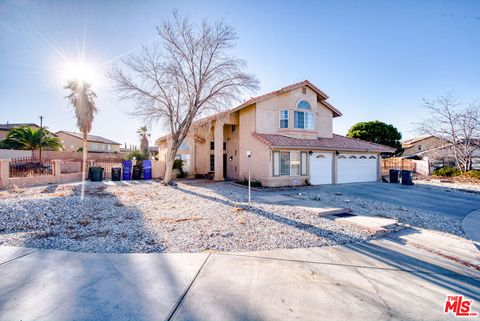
(72, 142)
(288, 133)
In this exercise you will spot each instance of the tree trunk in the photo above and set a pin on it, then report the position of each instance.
(172, 152)
(84, 158)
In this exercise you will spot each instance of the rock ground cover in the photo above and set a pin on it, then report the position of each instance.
(155, 218)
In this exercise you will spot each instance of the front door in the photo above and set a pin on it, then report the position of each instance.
(224, 165)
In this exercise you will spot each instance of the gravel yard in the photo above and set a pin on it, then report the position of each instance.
(150, 217)
(414, 217)
(450, 185)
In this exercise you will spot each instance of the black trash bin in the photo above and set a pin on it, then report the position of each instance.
(116, 173)
(137, 172)
(96, 174)
(407, 177)
(394, 175)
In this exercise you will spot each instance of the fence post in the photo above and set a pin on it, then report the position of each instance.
(4, 173)
(57, 170)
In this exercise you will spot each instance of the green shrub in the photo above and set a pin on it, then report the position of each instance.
(447, 171)
(473, 174)
(139, 156)
(253, 183)
(178, 165)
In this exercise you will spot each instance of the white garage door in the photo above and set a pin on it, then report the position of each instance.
(321, 168)
(354, 168)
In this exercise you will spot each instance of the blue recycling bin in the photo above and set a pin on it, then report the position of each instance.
(147, 169)
(127, 170)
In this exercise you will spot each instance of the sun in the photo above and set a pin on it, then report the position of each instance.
(80, 71)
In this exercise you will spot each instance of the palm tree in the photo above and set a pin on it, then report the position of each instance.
(143, 134)
(82, 100)
(27, 138)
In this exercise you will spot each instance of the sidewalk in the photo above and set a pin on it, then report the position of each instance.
(388, 278)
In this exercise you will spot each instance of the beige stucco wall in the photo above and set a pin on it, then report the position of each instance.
(261, 160)
(268, 115)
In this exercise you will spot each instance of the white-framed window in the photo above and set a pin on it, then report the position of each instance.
(94, 146)
(284, 119)
(109, 147)
(303, 104)
(303, 120)
(289, 163)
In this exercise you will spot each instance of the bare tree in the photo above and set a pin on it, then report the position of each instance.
(459, 126)
(191, 72)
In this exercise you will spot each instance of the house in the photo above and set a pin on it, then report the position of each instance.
(95, 144)
(289, 135)
(5, 128)
(435, 150)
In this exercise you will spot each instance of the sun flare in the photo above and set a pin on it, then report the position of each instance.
(80, 71)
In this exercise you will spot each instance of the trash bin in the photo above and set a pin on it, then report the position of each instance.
(96, 174)
(407, 177)
(127, 170)
(147, 169)
(394, 175)
(116, 173)
(137, 172)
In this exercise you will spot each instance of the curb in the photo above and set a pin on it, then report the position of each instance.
(471, 226)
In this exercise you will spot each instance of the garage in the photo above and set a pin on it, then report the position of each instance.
(353, 168)
(321, 168)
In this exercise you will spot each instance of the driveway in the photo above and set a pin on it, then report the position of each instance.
(382, 279)
(457, 204)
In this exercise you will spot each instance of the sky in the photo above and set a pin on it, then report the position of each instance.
(376, 60)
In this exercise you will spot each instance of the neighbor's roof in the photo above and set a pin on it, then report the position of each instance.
(337, 142)
(90, 138)
(416, 139)
(254, 100)
(11, 126)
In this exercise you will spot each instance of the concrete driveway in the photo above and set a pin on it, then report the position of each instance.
(382, 279)
(456, 204)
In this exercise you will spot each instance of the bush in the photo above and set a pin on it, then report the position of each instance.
(178, 165)
(447, 171)
(139, 156)
(253, 182)
(473, 174)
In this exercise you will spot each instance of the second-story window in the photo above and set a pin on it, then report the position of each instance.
(284, 119)
(303, 120)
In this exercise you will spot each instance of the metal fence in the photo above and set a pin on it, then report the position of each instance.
(107, 164)
(30, 166)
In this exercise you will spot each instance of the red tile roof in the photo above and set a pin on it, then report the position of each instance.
(337, 142)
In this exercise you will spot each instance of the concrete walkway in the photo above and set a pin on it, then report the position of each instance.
(471, 226)
(388, 278)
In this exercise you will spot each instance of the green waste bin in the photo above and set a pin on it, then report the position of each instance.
(96, 174)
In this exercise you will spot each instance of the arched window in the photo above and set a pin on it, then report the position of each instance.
(303, 104)
(184, 146)
(372, 157)
(363, 157)
(341, 157)
(353, 157)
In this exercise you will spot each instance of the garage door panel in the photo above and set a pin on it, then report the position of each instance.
(354, 168)
(321, 168)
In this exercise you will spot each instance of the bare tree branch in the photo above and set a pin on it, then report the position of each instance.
(189, 73)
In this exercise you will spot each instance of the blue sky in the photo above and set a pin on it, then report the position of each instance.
(375, 59)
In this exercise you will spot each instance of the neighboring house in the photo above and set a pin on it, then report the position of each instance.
(289, 134)
(95, 144)
(436, 151)
(5, 128)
